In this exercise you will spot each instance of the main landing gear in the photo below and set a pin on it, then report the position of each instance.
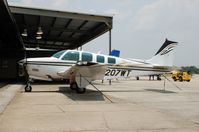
(74, 86)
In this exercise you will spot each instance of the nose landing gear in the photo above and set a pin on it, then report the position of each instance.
(28, 87)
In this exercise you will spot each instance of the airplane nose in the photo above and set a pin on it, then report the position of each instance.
(21, 62)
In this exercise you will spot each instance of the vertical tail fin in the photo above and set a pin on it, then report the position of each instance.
(165, 55)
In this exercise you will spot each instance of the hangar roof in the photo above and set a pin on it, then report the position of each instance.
(61, 29)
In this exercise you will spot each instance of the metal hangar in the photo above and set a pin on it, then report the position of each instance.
(27, 29)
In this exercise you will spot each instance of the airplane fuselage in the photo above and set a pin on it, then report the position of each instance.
(81, 68)
(47, 68)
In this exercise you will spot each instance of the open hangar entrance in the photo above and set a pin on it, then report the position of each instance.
(41, 32)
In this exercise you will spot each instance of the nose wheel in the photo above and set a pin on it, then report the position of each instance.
(28, 87)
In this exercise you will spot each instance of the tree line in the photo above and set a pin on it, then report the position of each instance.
(192, 69)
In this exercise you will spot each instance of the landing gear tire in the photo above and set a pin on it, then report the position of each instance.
(73, 86)
(174, 78)
(28, 88)
(158, 78)
(81, 90)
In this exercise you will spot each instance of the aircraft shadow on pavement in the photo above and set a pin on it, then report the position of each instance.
(48, 83)
(160, 91)
(89, 95)
(121, 91)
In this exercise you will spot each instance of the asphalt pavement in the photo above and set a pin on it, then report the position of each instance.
(126, 105)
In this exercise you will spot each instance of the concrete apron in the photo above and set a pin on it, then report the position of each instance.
(7, 94)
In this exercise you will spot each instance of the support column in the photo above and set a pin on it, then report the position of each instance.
(110, 48)
(110, 42)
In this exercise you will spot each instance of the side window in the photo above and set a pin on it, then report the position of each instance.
(111, 60)
(100, 59)
(71, 55)
(87, 56)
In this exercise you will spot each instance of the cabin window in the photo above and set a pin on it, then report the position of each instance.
(58, 54)
(111, 60)
(100, 59)
(71, 55)
(87, 56)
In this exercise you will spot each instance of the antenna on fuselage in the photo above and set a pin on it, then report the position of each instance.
(99, 52)
(80, 48)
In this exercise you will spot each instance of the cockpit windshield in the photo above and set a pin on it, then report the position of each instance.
(71, 55)
(58, 54)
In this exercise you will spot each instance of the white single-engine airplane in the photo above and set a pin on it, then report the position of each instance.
(80, 67)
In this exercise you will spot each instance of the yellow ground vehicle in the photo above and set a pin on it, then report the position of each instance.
(181, 76)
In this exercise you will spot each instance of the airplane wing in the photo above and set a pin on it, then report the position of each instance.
(67, 73)
(85, 73)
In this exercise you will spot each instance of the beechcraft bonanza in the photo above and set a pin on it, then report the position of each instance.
(81, 68)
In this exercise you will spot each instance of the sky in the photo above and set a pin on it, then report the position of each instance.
(140, 27)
